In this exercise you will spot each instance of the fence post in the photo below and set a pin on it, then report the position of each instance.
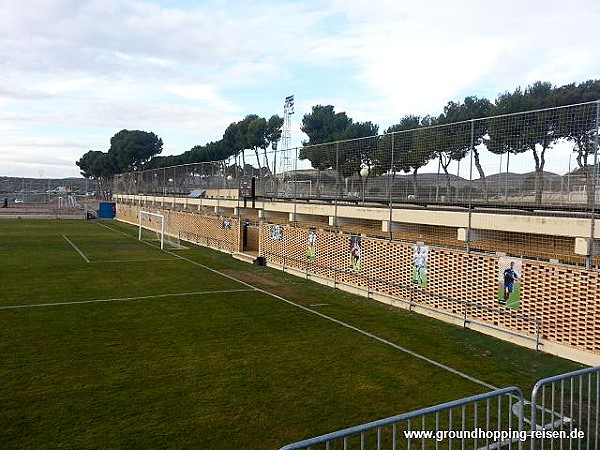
(565, 408)
(470, 206)
(589, 259)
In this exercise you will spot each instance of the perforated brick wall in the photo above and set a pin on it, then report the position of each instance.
(220, 232)
(565, 300)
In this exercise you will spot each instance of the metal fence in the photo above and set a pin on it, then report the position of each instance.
(489, 420)
(563, 413)
(539, 163)
(53, 193)
(541, 159)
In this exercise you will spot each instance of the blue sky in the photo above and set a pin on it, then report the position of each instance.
(74, 73)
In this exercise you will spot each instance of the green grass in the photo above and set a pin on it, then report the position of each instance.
(514, 299)
(178, 364)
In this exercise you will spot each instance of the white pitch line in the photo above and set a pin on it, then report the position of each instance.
(339, 322)
(347, 325)
(385, 341)
(124, 299)
(75, 247)
(100, 261)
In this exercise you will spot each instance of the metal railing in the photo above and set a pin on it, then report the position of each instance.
(563, 414)
(490, 420)
(565, 411)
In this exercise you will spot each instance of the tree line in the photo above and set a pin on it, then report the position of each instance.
(463, 128)
(430, 138)
(135, 150)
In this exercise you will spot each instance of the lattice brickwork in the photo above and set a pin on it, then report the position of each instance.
(222, 233)
(564, 299)
(192, 227)
(128, 213)
(445, 236)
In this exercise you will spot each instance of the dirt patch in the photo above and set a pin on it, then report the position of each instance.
(267, 281)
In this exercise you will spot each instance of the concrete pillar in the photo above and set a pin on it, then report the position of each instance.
(388, 226)
(583, 247)
(337, 221)
(464, 234)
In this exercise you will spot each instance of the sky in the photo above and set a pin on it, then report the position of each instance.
(75, 72)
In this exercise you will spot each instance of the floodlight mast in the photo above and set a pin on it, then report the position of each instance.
(286, 135)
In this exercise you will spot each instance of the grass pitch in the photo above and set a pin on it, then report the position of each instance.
(106, 342)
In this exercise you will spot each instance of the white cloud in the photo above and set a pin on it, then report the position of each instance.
(29, 156)
(420, 53)
(88, 68)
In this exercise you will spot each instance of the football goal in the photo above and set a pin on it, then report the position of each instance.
(154, 224)
(152, 227)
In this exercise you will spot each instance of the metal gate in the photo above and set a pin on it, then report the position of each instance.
(563, 413)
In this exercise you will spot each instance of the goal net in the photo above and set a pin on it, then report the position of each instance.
(152, 227)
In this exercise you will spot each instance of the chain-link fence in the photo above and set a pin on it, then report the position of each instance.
(542, 159)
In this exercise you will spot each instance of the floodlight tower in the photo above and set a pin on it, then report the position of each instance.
(286, 135)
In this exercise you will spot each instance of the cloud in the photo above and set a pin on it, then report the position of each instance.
(186, 70)
(414, 57)
(29, 156)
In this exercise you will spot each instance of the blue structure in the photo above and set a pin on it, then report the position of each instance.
(107, 210)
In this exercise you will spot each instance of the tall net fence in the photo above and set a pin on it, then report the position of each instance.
(544, 159)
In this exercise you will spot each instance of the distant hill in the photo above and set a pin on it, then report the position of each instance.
(497, 181)
(514, 180)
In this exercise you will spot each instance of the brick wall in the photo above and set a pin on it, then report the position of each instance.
(564, 299)
(201, 229)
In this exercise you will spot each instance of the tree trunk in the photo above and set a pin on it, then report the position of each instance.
(415, 184)
(582, 162)
(539, 175)
(318, 187)
(104, 186)
(585, 170)
(589, 188)
(481, 174)
(539, 188)
(266, 162)
(445, 165)
(257, 159)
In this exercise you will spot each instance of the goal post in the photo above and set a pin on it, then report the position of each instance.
(152, 222)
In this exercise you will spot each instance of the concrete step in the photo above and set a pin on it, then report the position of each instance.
(248, 257)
